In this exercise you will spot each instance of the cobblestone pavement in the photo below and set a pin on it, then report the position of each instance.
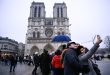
(24, 69)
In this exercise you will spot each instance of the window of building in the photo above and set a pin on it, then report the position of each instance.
(35, 11)
(61, 12)
(34, 35)
(39, 12)
(5, 46)
(38, 34)
(58, 12)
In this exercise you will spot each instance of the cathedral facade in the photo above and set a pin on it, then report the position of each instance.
(42, 29)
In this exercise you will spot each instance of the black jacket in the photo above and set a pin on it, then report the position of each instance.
(36, 59)
(72, 65)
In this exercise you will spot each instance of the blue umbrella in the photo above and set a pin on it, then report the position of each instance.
(61, 38)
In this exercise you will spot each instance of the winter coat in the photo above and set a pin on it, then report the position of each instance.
(36, 60)
(45, 63)
(56, 61)
(72, 65)
(13, 60)
(85, 60)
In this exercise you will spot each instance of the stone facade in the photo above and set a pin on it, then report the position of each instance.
(42, 29)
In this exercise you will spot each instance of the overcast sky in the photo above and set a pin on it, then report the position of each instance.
(87, 18)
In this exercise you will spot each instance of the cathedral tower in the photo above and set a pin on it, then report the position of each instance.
(42, 29)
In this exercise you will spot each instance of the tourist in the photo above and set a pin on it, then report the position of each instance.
(13, 62)
(89, 68)
(36, 63)
(45, 62)
(56, 63)
(72, 65)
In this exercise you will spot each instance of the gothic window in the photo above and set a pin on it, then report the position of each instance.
(61, 12)
(35, 11)
(58, 12)
(1, 46)
(38, 34)
(39, 12)
(34, 35)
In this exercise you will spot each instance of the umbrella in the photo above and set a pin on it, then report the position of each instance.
(61, 38)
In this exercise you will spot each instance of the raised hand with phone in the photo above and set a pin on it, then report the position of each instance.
(97, 39)
(88, 67)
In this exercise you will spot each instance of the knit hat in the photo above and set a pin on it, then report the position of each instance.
(68, 44)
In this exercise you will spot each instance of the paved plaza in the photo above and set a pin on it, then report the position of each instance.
(24, 69)
(21, 69)
(104, 66)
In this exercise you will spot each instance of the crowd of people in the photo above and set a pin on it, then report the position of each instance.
(71, 59)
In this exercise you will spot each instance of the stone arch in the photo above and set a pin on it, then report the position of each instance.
(33, 50)
(49, 47)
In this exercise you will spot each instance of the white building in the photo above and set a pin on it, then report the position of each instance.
(42, 29)
(8, 46)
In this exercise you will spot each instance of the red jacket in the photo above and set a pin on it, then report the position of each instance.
(56, 63)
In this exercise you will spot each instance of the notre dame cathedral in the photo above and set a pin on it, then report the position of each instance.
(42, 29)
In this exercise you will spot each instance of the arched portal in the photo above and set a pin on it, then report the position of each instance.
(33, 50)
(49, 47)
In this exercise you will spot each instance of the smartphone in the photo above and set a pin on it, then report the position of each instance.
(95, 38)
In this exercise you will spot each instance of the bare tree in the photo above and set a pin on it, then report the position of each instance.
(107, 42)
